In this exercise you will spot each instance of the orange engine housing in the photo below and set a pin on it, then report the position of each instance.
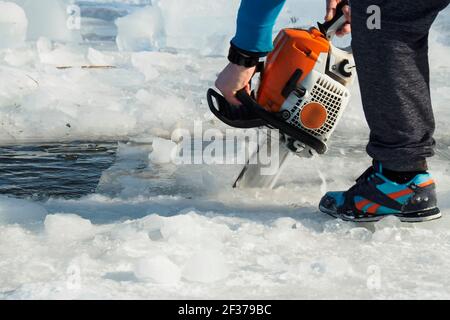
(293, 49)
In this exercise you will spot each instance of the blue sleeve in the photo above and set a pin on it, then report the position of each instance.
(256, 19)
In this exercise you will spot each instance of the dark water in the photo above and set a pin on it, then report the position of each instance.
(67, 170)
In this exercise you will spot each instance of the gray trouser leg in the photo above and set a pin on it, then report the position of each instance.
(393, 71)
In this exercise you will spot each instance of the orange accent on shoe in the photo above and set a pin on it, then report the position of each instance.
(426, 183)
(399, 194)
(361, 204)
(373, 209)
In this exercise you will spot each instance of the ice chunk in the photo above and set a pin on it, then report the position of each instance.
(141, 30)
(61, 55)
(202, 25)
(20, 211)
(44, 45)
(99, 58)
(19, 57)
(285, 230)
(388, 229)
(388, 222)
(206, 266)
(360, 233)
(158, 269)
(68, 227)
(163, 151)
(195, 229)
(51, 19)
(13, 25)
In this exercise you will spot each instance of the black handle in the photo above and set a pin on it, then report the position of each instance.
(324, 27)
(245, 98)
(239, 117)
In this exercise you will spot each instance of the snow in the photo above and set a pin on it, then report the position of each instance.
(207, 266)
(158, 230)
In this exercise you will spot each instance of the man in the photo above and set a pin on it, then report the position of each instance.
(393, 71)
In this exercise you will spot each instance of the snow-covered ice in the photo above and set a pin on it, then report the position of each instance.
(157, 230)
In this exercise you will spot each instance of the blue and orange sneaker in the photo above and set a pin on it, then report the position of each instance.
(374, 197)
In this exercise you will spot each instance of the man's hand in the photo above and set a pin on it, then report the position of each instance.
(232, 79)
(331, 11)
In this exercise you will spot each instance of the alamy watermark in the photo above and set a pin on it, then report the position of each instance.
(73, 21)
(73, 280)
(228, 147)
(373, 277)
(374, 20)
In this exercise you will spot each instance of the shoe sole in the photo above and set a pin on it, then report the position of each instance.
(413, 217)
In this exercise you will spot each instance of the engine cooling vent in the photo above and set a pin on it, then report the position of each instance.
(328, 95)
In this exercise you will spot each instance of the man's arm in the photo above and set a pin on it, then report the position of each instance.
(255, 22)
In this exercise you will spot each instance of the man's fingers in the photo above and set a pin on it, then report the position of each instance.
(228, 94)
(344, 30)
(347, 13)
(247, 88)
(232, 79)
(231, 98)
(347, 27)
(331, 9)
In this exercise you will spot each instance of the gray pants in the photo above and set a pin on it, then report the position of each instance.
(393, 71)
